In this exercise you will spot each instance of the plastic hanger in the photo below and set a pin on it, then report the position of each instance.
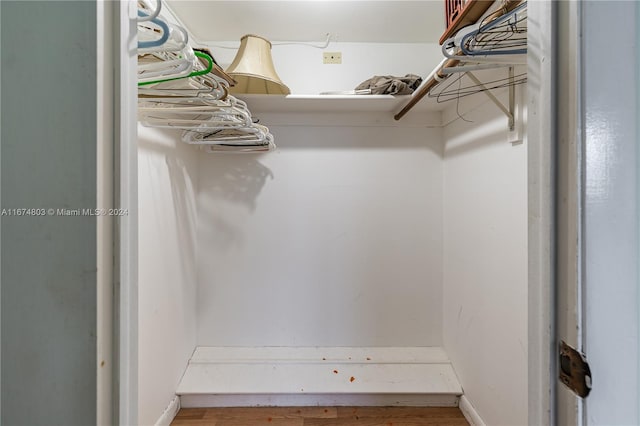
(165, 65)
(153, 14)
(193, 117)
(222, 148)
(177, 40)
(217, 97)
(161, 40)
(252, 135)
(192, 74)
(194, 113)
(177, 90)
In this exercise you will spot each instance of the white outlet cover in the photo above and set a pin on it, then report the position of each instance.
(332, 57)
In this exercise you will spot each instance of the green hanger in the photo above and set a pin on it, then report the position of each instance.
(193, 74)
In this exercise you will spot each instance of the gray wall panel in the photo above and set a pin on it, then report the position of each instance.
(48, 160)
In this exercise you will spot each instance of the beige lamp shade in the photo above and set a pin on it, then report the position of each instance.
(253, 69)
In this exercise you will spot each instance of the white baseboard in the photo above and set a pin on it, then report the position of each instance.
(470, 412)
(169, 413)
(318, 400)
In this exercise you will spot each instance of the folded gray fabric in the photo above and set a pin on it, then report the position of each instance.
(390, 85)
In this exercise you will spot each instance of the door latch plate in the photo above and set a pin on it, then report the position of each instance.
(574, 370)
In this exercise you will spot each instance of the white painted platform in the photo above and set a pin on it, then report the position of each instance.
(219, 376)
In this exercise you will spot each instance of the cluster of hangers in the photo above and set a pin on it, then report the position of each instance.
(497, 40)
(480, 47)
(180, 87)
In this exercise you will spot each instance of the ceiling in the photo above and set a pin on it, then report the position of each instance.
(310, 20)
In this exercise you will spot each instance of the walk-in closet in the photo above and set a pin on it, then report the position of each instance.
(319, 212)
(336, 247)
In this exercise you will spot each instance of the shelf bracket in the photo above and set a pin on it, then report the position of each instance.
(509, 112)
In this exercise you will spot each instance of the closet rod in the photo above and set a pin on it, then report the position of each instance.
(432, 81)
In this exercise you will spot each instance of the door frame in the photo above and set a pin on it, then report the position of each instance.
(541, 158)
(125, 374)
(542, 179)
(569, 202)
(596, 292)
(105, 174)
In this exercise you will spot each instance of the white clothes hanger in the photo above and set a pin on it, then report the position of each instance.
(176, 90)
(177, 40)
(171, 115)
(165, 65)
(208, 87)
(202, 111)
(238, 149)
(191, 87)
(151, 13)
(255, 133)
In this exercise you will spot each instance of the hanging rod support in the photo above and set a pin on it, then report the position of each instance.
(512, 101)
(512, 97)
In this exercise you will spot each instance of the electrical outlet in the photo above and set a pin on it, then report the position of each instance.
(332, 57)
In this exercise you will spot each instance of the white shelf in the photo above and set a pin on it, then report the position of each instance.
(331, 103)
(421, 376)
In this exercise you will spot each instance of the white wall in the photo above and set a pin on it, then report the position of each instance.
(485, 262)
(167, 269)
(335, 239)
(300, 67)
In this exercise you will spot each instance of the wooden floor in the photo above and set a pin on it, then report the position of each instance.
(320, 416)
